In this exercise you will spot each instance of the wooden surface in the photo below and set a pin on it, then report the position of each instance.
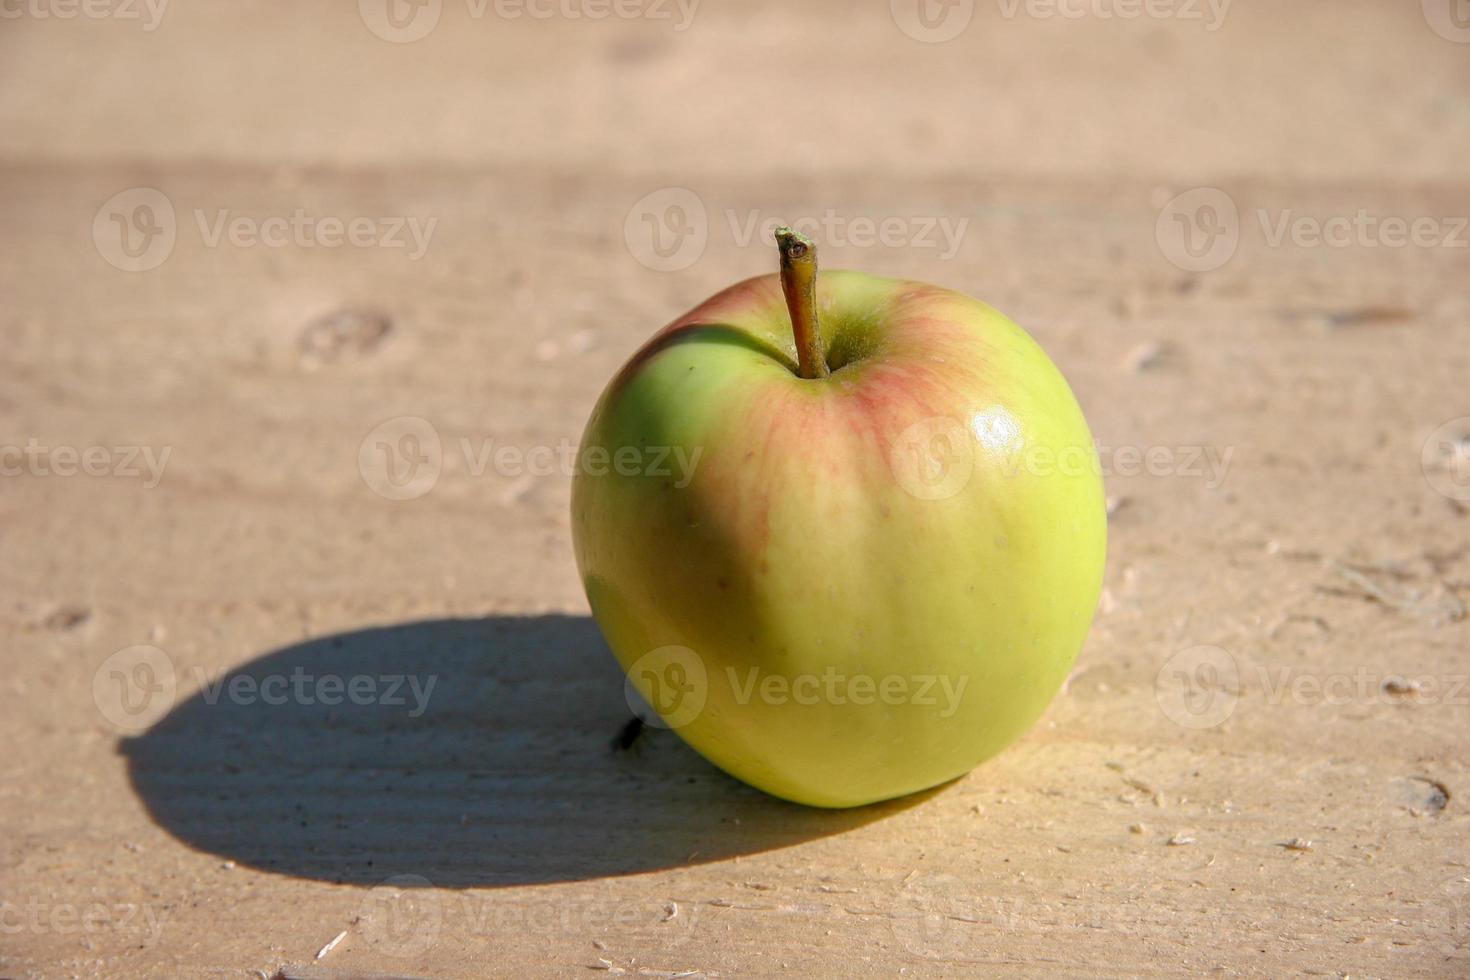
(1259, 766)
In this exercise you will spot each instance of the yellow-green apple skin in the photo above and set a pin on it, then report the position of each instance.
(929, 516)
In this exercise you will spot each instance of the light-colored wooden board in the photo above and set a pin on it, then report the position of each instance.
(1294, 527)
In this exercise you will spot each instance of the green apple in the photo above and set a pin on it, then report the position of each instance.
(884, 549)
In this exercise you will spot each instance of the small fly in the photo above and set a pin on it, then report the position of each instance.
(628, 735)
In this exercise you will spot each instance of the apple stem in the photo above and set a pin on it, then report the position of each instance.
(799, 283)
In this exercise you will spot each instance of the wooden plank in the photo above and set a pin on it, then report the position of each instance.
(1259, 766)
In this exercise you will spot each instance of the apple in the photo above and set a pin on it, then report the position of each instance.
(886, 554)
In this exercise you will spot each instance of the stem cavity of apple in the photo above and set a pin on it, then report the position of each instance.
(799, 283)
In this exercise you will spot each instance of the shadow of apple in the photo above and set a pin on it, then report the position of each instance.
(475, 752)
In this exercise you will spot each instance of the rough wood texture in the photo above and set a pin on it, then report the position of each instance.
(1259, 766)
